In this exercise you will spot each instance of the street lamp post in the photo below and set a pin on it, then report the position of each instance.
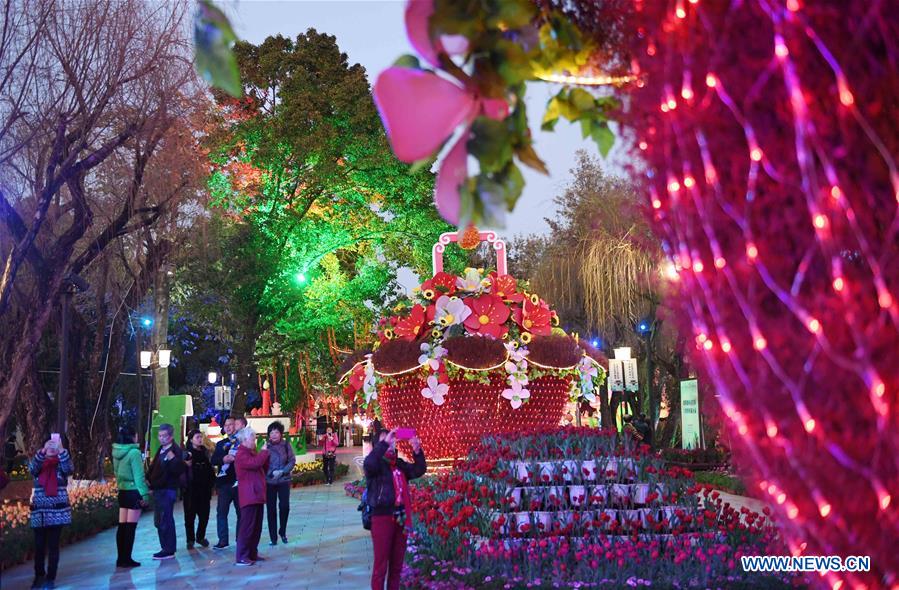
(160, 358)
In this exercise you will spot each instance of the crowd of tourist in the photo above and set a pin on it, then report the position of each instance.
(252, 481)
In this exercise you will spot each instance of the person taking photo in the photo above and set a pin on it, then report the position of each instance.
(50, 510)
(390, 500)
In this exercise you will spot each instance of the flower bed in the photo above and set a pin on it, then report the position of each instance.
(696, 459)
(577, 508)
(354, 489)
(94, 509)
(310, 474)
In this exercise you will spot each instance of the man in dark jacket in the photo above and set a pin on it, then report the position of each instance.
(389, 496)
(226, 481)
(165, 479)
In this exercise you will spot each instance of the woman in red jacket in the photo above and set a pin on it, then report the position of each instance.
(250, 469)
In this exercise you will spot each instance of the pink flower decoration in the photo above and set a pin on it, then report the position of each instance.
(420, 109)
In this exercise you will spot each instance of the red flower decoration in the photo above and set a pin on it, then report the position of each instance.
(534, 317)
(488, 314)
(357, 377)
(411, 327)
(506, 287)
(440, 284)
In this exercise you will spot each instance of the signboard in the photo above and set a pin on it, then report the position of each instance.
(222, 397)
(616, 375)
(689, 414)
(631, 383)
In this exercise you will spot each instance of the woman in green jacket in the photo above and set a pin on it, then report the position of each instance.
(128, 463)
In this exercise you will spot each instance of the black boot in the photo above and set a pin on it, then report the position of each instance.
(126, 560)
(120, 543)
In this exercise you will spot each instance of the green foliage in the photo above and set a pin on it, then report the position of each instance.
(721, 481)
(578, 105)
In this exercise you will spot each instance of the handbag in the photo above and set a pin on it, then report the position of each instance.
(365, 509)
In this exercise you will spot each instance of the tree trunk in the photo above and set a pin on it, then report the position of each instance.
(160, 330)
(246, 373)
(24, 343)
(605, 412)
(33, 412)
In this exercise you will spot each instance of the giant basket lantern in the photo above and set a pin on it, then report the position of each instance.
(472, 355)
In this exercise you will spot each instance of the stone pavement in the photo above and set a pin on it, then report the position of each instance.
(328, 548)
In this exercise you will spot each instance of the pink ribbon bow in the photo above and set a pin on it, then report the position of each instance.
(421, 110)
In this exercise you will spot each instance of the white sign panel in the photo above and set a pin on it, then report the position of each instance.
(631, 383)
(689, 414)
(616, 375)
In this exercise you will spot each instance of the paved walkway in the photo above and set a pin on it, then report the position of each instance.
(328, 548)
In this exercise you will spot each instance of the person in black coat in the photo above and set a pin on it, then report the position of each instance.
(389, 496)
(165, 479)
(198, 493)
(226, 481)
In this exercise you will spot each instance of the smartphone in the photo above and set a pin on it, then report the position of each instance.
(54, 438)
(405, 433)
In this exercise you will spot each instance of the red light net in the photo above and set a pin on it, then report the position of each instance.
(769, 133)
(473, 410)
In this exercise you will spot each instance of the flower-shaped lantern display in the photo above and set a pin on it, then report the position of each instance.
(472, 355)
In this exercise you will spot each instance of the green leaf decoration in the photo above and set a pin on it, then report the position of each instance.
(512, 62)
(603, 137)
(586, 128)
(510, 14)
(567, 108)
(582, 100)
(514, 183)
(214, 39)
(407, 61)
(551, 116)
(490, 143)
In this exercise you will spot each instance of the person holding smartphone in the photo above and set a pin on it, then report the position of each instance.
(50, 510)
(329, 443)
(134, 494)
(390, 500)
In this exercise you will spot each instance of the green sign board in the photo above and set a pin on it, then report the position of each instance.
(689, 414)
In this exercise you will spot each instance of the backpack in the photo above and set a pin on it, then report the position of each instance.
(365, 509)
